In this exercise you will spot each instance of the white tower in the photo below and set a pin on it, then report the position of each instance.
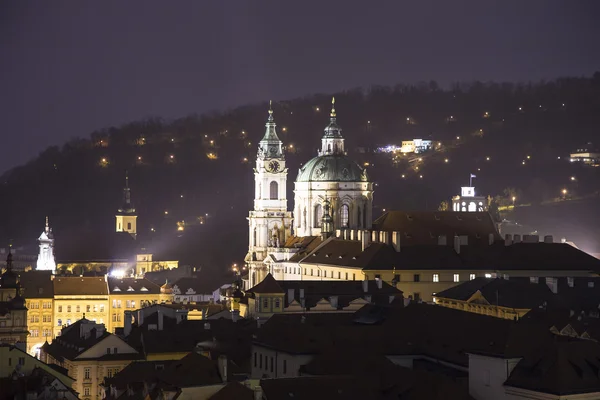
(332, 179)
(126, 218)
(270, 223)
(45, 261)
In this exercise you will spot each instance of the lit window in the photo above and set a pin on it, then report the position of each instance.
(436, 277)
(456, 277)
(274, 189)
(471, 277)
(344, 214)
(488, 275)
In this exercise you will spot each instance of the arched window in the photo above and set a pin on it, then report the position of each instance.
(274, 190)
(318, 215)
(254, 237)
(344, 215)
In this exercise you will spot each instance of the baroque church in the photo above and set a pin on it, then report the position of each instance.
(331, 192)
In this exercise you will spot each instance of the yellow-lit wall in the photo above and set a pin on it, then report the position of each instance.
(93, 266)
(126, 223)
(119, 303)
(266, 303)
(485, 309)
(141, 266)
(40, 322)
(73, 307)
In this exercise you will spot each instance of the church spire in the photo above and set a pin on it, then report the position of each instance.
(270, 145)
(127, 207)
(332, 142)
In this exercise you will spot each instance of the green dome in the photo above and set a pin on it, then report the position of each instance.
(332, 168)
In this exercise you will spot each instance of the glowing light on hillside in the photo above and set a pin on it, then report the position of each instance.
(564, 192)
(523, 162)
(421, 176)
(119, 273)
(520, 108)
(403, 176)
(446, 160)
(211, 156)
(284, 129)
(529, 157)
(317, 109)
(139, 158)
(573, 178)
(458, 138)
(487, 158)
(166, 212)
(171, 156)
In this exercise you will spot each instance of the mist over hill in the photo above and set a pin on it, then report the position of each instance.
(198, 169)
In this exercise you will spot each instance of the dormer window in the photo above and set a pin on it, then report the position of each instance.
(130, 289)
(143, 289)
(116, 289)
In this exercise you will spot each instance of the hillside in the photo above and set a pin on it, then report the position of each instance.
(198, 169)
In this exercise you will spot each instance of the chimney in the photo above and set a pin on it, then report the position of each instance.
(258, 394)
(384, 237)
(396, 241)
(442, 240)
(127, 323)
(379, 283)
(491, 239)
(570, 281)
(365, 285)
(508, 239)
(457, 244)
(374, 236)
(464, 240)
(517, 238)
(291, 293)
(338, 233)
(181, 315)
(346, 234)
(359, 234)
(333, 300)
(548, 239)
(301, 293)
(222, 362)
(365, 240)
(160, 319)
(552, 284)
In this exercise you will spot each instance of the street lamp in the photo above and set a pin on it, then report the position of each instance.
(513, 199)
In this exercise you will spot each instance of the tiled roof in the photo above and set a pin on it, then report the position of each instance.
(305, 244)
(267, 285)
(565, 367)
(512, 293)
(74, 285)
(197, 285)
(70, 343)
(233, 390)
(520, 256)
(132, 286)
(37, 284)
(424, 227)
(345, 291)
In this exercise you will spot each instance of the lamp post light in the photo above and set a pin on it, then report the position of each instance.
(513, 200)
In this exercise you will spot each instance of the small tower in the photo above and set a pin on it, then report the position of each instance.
(126, 218)
(326, 221)
(45, 261)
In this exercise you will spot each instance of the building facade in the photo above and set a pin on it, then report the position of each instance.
(45, 261)
(13, 312)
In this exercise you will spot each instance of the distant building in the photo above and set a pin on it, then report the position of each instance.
(588, 155)
(38, 290)
(45, 261)
(416, 146)
(469, 201)
(126, 218)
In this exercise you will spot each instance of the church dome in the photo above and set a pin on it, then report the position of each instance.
(332, 168)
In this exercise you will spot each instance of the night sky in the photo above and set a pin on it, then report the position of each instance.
(70, 67)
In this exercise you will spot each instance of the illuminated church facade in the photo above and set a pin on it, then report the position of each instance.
(331, 192)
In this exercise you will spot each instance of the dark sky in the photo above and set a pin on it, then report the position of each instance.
(70, 67)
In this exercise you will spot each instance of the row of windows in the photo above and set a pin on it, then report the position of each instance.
(36, 318)
(34, 305)
(116, 317)
(344, 216)
(258, 363)
(88, 308)
(128, 304)
(266, 303)
(60, 323)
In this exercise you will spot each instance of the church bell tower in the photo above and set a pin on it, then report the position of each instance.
(45, 261)
(126, 218)
(270, 222)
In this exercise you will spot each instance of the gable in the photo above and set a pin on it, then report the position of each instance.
(111, 341)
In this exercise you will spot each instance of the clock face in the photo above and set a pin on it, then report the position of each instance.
(273, 166)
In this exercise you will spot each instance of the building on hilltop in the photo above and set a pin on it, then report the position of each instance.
(468, 200)
(126, 218)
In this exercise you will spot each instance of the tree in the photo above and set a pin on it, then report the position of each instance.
(444, 206)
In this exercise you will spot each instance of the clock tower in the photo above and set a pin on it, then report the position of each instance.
(270, 222)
